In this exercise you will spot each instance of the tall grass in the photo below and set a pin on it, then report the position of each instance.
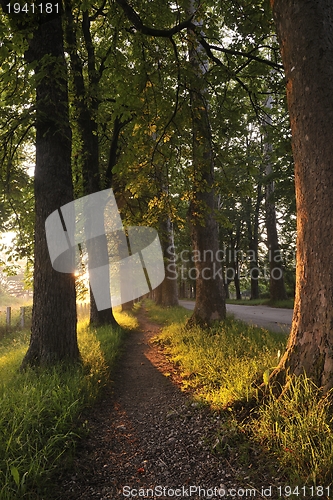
(39, 409)
(296, 428)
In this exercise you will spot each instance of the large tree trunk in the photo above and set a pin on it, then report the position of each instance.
(210, 294)
(305, 32)
(87, 129)
(277, 289)
(53, 333)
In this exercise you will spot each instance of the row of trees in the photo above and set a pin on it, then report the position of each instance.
(180, 108)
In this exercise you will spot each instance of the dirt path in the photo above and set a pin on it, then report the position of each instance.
(146, 433)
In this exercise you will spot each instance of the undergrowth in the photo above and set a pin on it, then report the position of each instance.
(223, 366)
(39, 409)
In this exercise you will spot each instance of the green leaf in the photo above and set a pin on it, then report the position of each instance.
(16, 475)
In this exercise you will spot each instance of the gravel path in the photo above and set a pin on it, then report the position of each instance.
(146, 433)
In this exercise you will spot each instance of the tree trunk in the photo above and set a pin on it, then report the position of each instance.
(87, 130)
(277, 289)
(236, 281)
(53, 332)
(234, 243)
(253, 241)
(254, 270)
(167, 291)
(226, 289)
(127, 306)
(210, 295)
(305, 32)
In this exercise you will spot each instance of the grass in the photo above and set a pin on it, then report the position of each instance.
(222, 367)
(287, 304)
(211, 361)
(40, 408)
(166, 315)
(296, 428)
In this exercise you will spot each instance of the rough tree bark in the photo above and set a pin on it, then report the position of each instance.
(53, 333)
(210, 293)
(305, 32)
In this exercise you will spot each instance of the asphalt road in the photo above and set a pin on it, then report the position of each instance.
(272, 318)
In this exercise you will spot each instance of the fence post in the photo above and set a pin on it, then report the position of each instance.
(22, 316)
(8, 316)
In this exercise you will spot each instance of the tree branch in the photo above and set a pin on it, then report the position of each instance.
(98, 11)
(134, 18)
(242, 54)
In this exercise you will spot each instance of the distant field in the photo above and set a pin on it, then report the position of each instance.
(12, 301)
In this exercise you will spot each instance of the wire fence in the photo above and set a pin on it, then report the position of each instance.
(13, 318)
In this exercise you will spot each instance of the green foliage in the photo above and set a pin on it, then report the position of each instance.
(143, 82)
(16, 138)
